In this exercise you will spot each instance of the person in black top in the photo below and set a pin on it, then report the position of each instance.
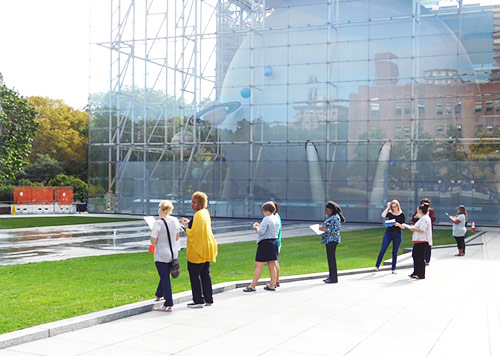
(392, 233)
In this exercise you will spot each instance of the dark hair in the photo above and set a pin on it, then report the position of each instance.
(461, 209)
(275, 207)
(424, 208)
(335, 208)
(269, 206)
(425, 201)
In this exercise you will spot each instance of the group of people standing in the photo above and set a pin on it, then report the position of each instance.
(269, 243)
(422, 228)
(202, 249)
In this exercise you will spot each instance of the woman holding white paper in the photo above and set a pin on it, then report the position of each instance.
(164, 234)
(422, 237)
(459, 229)
(331, 237)
(393, 214)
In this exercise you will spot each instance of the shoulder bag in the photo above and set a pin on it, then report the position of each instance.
(175, 268)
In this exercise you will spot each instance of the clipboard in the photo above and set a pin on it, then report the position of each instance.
(150, 220)
(315, 228)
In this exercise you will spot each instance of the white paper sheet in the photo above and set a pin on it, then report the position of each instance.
(406, 225)
(150, 220)
(315, 228)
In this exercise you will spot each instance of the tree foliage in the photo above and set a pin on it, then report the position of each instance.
(62, 135)
(80, 188)
(17, 130)
(42, 170)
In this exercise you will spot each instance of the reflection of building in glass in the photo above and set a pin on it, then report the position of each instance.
(441, 77)
(444, 102)
(316, 111)
(302, 101)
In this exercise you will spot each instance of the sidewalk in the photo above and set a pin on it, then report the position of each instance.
(454, 311)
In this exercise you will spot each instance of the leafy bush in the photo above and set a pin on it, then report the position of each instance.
(96, 190)
(80, 188)
(6, 192)
(44, 169)
(27, 183)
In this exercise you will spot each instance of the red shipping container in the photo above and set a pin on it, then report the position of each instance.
(43, 195)
(64, 195)
(23, 195)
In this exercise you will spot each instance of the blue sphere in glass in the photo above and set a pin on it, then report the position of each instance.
(268, 71)
(245, 92)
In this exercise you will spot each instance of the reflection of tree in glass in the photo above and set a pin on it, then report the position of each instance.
(485, 169)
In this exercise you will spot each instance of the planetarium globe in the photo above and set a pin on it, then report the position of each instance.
(305, 57)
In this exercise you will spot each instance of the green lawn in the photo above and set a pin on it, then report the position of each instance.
(37, 293)
(24, 222)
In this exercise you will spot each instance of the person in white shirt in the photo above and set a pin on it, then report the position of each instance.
(422, 237)
(267, 249)
(459, 230)
(164, 235)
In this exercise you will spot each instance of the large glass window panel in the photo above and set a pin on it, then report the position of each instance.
(349, 90)
(354, 11)
(395, 28)
(350, 32)
(354, 51)
(311, 54)
(351, 71)
(312, 14)
(271, 94)
(299, 190)
(273, 53)
(429, 24)
(271, 125)
(264, 189)
(310, 92)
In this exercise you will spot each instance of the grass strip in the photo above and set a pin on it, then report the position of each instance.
(37, 293)
(24, 222)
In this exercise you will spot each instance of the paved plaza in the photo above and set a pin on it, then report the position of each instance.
(454, 311)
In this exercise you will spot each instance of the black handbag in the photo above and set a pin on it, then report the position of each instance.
(174, 267)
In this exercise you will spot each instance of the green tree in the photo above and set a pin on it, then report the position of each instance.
(17, 130)
(62, 135)
(80, 188)
(42, 170)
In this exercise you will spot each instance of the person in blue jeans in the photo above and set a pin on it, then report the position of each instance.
(392, 233)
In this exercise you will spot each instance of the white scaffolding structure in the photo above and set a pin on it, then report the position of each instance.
(173, 47)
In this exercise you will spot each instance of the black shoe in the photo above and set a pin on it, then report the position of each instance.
(329, 280)
(194, 305)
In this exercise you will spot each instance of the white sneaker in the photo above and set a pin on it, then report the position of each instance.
(194, 305)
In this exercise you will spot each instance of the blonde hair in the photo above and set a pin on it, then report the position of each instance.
(201, 197)
(166, 206)
(397, 203)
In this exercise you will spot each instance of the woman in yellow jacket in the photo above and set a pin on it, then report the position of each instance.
(201, 249)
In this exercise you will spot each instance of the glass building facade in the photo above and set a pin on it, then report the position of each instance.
(301, 102)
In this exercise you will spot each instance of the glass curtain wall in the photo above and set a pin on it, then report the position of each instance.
(301, 102)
